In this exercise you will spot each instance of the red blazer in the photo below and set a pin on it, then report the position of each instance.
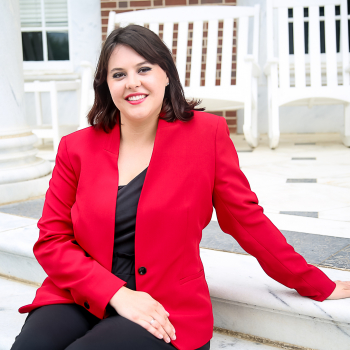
(193, 166)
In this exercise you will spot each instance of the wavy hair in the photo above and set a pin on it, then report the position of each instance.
(147, 44)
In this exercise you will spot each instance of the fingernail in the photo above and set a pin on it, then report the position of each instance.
(160, 336)
(174, 337)
(168, 340)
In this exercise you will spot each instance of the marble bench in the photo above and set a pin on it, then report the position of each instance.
(244, 298)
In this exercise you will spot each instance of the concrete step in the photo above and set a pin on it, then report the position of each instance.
(245, 299)
(14, 294)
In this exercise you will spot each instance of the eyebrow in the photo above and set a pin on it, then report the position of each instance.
(139, 64)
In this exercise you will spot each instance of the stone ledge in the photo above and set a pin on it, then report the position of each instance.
(246, 300)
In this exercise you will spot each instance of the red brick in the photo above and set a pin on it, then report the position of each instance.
(190, 26)
(104, 13)
(202, 82)
(122, 4)
(161, 26)
(189, 42)
(220, 33)
(217, 82)
(140, 3)
(219, 113)
(211, 2)
(234, 65)
(122, 11)
(104, 21)
(234, 58)
(158, 2)
(204, 50)
(104, 29)
(221, 25)
(108, 5)
(218, 66)
(233, 130)
(231, 113)
(187, 75)
(175, 35)
(219, 50)
(233, 81)
(193, 2)
(175, 2)
(174, 51)
(104, 37)
(202, 74)
(231, 122)
(220, 42)
(176, 26)
(233, 50)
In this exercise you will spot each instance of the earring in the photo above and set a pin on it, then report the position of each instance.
(167, 84)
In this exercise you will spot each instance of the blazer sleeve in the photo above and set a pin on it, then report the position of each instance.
(65, 262)
(240, 216)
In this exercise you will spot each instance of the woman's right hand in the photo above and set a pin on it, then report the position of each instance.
(141, 308)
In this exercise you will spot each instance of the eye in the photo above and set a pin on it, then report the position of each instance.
(144, 69)
(117, 75)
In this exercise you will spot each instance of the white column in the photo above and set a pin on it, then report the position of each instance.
(22, 174)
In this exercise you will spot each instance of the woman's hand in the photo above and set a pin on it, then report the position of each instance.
(141, 308)
(342, 290)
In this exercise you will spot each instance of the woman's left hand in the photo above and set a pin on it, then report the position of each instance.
(341, 291)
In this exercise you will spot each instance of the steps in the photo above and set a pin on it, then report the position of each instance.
(13, 294)
(245, 299)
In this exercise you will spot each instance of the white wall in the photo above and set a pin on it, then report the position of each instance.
(292, 119)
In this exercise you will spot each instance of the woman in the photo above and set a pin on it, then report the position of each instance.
(145, 135)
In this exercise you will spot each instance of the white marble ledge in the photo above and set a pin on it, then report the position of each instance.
(19, 241)
(221, 341)
(239, 279)
(10, 222)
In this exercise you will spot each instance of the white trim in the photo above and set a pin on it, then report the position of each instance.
(48, 66)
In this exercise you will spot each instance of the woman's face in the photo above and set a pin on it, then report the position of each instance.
(129, 74)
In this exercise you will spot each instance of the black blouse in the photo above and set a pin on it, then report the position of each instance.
(123, 265)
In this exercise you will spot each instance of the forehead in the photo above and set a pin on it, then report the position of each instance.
(124, 55)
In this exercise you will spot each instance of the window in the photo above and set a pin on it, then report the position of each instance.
(45, 32)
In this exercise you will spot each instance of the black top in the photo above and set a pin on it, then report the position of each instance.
(123, 265)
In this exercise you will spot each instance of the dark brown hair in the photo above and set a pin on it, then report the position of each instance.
(148, 45)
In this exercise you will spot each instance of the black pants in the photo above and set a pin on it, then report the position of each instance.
(71, 327)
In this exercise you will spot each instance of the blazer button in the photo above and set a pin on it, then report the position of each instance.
(87, 306)
(142, 270)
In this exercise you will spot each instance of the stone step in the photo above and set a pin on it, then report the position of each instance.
(13, 294)
(245, 299)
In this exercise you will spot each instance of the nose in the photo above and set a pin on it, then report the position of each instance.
(133, 81)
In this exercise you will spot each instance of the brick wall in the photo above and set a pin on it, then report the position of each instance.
(134, 5)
